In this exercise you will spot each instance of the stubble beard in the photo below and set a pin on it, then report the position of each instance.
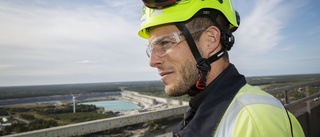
(187, 77)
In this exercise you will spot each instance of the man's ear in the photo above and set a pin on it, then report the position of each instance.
(212, 38)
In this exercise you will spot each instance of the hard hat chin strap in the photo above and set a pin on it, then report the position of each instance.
(203, 64)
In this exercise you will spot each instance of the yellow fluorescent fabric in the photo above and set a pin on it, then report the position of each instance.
(255, 113)
(182, 12)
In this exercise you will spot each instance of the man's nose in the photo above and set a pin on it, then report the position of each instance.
(154, 60)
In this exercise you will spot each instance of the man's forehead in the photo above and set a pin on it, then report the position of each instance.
(161, 30)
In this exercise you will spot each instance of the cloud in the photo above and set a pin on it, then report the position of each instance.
(288, 48)
(86, 61)
(4, 66)
(53, 27)
(260, 29)
(261, 46)
(57, 39)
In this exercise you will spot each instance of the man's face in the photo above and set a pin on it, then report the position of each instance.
(177, 67)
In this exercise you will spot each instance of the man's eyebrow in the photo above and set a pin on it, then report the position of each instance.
(160, 38)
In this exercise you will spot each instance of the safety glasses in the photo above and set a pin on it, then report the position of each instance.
(162, 45)
(159, 4)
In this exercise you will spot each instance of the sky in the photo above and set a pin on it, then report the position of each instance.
(80, 41)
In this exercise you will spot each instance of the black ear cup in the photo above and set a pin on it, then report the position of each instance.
(227, 40)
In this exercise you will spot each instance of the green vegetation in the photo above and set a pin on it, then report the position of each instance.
(50, 116)
(3, 112)
(6, 131)
(272, 82)
(27, 116)
(34, 125)
(65, 109)
(49, 90)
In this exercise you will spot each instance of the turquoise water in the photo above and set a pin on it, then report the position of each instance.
(115, 105)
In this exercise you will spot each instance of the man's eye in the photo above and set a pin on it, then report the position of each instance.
(164, 44)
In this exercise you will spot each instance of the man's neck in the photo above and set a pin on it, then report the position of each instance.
(216, 68)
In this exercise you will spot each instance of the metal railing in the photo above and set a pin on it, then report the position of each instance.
(120, 121)
(286, 90)
(288, 104)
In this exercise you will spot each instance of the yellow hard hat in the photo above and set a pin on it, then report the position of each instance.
(157, 12)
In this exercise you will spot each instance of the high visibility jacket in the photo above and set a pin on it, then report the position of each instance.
(229, 107)
(255, 113)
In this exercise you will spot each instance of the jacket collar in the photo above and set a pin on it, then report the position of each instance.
(196, 101)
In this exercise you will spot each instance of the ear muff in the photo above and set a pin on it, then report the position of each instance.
(227, 40)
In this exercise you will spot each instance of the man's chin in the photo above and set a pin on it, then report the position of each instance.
(173, 92)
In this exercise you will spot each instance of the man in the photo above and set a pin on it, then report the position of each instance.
(188, 44)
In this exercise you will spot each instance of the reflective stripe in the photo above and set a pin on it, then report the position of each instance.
(227, 123)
